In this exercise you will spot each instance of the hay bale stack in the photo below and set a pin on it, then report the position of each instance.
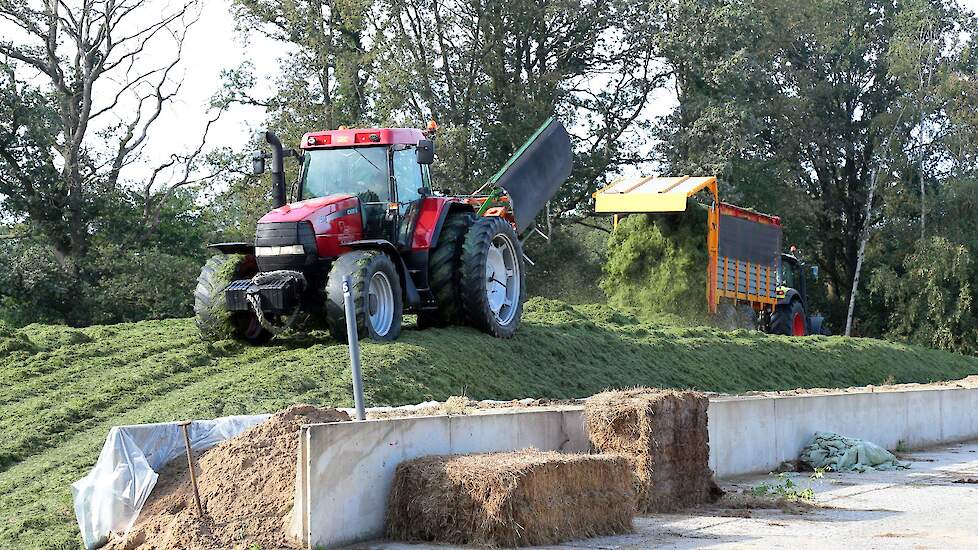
(510, 499)
(663, 433)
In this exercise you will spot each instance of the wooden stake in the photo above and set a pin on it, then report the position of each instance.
(190, 464)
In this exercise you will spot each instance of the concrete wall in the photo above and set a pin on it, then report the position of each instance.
(755, 434)
(345, 469)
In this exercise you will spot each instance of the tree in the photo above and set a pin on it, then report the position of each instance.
(931, 301)
(64, 141)
(794, 108)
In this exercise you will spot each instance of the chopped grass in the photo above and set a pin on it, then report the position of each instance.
(61, 389)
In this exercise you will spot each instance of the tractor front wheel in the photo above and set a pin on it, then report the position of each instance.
(492, 277)
(213, 319)
(376, 289)
(789, 319)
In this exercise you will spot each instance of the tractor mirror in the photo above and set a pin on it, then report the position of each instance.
(425, 151)
(814, 272)
(257, 163)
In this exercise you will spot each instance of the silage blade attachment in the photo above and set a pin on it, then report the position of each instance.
(535, 172)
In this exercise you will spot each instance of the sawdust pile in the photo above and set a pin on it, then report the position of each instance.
(663, 433)
(510, 499)
(247, 487)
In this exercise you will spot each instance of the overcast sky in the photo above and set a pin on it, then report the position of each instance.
(214, 45)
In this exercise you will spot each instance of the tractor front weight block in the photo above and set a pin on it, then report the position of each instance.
(276, 296)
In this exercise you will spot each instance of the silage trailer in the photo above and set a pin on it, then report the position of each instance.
(750, 282)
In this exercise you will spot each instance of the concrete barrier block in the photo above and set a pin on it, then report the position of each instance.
(957, 412)
(573, 425)
(483, 433)
(741, 436)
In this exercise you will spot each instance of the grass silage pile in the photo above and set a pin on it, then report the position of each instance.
(657, 264)
(663, 434)
(510, 499)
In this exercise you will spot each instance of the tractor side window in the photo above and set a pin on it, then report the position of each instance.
(787, 275)
(407, 174)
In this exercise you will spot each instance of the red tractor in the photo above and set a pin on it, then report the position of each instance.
(364, 207)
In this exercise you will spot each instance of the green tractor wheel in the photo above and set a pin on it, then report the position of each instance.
(213, 319)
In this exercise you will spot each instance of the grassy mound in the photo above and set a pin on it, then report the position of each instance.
(61, 389)
(657, 264)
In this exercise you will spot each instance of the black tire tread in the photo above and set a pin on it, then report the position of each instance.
(444, 272)
(356, 264)
(782, 316)
(210, 306)
(473, 293)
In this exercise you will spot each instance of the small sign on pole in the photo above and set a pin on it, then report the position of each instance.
(354, 341)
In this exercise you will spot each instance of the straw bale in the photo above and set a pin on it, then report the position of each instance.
(663, 434)
(510, 499)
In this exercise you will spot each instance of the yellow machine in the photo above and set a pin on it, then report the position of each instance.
(745, 264)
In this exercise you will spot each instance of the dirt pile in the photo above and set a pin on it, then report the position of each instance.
(510, 499)
(246, 484)
(657, 264)
(663, 433)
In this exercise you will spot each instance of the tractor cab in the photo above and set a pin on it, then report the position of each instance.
(386, 169)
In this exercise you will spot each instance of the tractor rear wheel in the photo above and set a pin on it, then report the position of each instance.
(492, 277)
(789, 320)
(377, 298)
(213, 319)
(444, 271)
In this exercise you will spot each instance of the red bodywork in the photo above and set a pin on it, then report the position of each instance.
(335, 225)
(335, 219)
(324, 139)
(728, 209)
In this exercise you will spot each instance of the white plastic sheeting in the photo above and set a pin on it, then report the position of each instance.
(109, 498)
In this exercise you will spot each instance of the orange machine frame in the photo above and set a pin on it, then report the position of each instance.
(654, 194)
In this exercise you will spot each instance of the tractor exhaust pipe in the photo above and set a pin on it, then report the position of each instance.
(278, 169)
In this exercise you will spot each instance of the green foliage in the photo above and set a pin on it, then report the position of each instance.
(120, 278)
(931, 302)
(568, 267)
(62, 394)
(785, 487)
(657, 264)
(796, 109)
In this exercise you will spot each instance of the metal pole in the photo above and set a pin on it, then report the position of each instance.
(190, 464)
(354, 341)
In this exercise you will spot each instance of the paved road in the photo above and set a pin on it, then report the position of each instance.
(922, 507)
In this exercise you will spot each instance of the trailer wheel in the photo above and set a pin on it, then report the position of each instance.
(444, 272)
(377, 298)
(212, 317)
(789, 320)
(492, 277)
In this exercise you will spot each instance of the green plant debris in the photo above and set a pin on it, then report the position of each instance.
(657, 264)
(62, 393)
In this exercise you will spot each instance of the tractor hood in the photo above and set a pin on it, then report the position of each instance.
(307, 209)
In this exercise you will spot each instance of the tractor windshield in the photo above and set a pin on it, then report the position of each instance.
(358, 171)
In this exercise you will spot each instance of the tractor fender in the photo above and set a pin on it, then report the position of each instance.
(790, 294)
(443, 215)
(233, 248)
(410, 290)
(431, 217)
